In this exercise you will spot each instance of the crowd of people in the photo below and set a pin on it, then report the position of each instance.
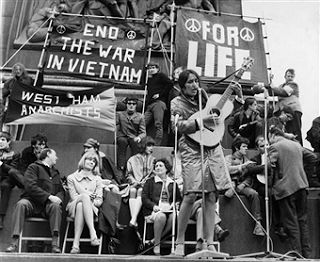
(148, 183)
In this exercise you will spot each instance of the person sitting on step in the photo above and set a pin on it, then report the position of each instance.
(139, 169)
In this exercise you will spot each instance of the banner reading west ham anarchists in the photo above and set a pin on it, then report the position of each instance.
(35, 105)
(214, 46)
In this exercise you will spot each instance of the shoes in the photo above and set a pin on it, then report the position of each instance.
(314, 183)
(95, 242)
(222, 234)
(211, 247)
(179, 251)
(75, 250)
(199, 245)
(135, 226)
(12, 248)
(281, 233)
(258, 230)
(55, 249)
(156, 250)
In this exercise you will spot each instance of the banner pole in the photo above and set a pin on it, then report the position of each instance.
(45, 44)
(172, 41)
(148, 61)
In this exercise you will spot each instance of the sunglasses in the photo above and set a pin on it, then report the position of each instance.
(130, 103)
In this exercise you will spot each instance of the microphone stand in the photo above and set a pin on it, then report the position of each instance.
(174, 184)
(204, 254)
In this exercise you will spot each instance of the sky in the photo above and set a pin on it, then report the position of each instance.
(293, 41)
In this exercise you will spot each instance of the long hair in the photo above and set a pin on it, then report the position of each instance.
(24, 71)
(183, 78)
(90, 154)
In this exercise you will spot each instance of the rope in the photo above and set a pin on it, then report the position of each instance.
(25, 43)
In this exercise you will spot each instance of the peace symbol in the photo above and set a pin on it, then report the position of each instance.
(246, 34)
(131, 35)
(61, 29)
(193, 25)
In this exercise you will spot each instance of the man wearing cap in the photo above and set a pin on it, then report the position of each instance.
(130, 130)
(158, 88)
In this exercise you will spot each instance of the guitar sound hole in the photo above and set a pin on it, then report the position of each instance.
(215, 112)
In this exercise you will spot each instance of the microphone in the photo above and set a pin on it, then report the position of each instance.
(258, 88)
(176, 118)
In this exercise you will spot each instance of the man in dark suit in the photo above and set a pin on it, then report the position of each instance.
(289, 189)
(43, 196)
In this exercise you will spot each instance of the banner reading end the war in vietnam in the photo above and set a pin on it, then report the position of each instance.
(215, 46)
(109, 50)
(35, 105)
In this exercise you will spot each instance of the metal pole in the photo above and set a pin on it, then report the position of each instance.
(148, 61)
(202, 158)
(174, 185)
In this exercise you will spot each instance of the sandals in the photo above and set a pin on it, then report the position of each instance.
(211, 247)
(75, 250)
(95, 242)
(179, 251)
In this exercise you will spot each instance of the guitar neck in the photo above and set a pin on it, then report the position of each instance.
(228, 92)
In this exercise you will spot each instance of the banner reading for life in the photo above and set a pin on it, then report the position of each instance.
(35, 105)
(101, 49)
(214, 46)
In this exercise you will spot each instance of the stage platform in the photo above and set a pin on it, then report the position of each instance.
(36, 257)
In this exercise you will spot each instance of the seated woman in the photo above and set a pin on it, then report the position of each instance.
(85, 189)
(139, 169)
(157, 199)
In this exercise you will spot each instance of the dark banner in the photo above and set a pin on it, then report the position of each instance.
(34, 105)
(99, 48)
(215, 46)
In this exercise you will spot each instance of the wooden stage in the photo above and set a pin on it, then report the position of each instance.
(47, 257)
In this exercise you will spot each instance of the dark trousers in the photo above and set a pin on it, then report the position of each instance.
(24, 208)
(123, 143)
(295, 220)
(155, 111)
(14, 178)
(254, 200)
(294, 126)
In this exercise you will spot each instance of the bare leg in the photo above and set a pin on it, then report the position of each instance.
(78, 225)
(209, 218)
(158, 226)
(183, 218)
(88, 214)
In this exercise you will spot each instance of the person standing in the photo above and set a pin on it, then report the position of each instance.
(130, 130)
(184, 106)
(288, 93)
(158, 88)
(43, 196)
(289, 189)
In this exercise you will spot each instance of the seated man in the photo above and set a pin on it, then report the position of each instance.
(9, 178)
(30, 154)
(158, 87)
(246, 122)
(130, 130)
(43, 195)
(237, 164)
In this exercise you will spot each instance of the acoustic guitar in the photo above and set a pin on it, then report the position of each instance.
(218, 106)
